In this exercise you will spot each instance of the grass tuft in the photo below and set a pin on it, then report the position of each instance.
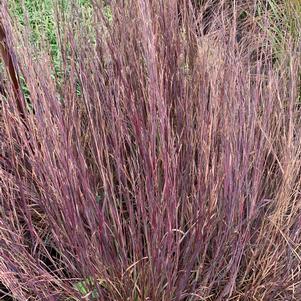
(158, 155)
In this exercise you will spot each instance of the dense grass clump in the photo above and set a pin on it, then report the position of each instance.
(157, 155)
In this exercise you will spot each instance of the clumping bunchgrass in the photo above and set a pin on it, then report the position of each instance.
(162, 163)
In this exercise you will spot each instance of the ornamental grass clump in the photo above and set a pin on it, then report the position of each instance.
(156, 158)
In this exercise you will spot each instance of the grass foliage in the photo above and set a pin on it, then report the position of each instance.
(158, 157)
